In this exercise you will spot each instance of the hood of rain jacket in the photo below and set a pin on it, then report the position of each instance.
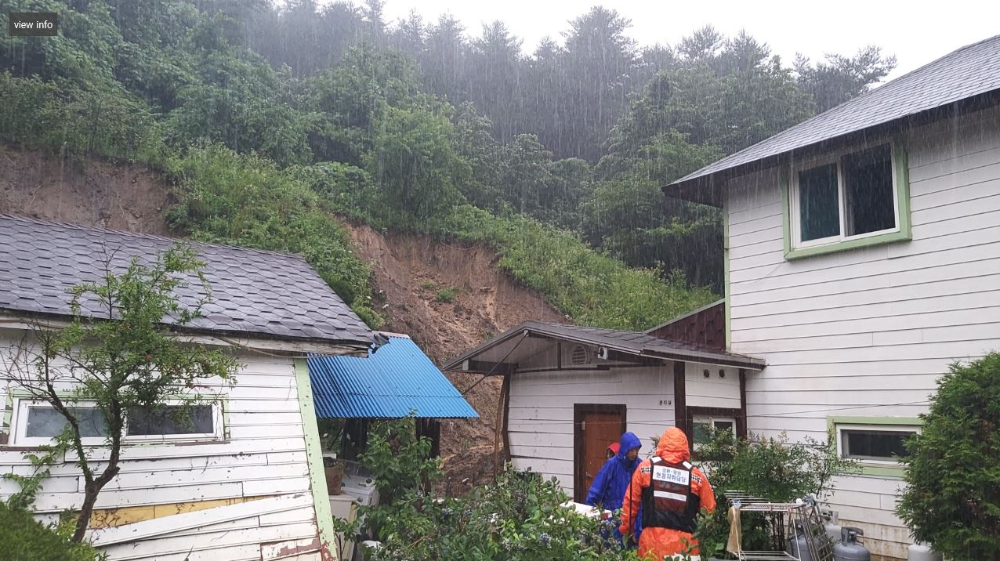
(673, 446)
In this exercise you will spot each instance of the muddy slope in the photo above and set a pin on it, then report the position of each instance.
(88, 192)
(410, 273)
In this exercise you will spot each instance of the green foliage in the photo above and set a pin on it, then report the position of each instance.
(414, 163)
(428, 285)
(952, 494)
(401, 462)
(590, 288)
(246, 200)
(771, 468)
(24, 538)
(519, 517)
(134, 361)
(446, 294)
(36, 114)
(40, 464)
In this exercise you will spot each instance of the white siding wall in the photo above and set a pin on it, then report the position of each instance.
(714, 391)
(541, 412)
(867, 332)
(264, 455)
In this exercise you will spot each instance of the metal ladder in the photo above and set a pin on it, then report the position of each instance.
(819, 543)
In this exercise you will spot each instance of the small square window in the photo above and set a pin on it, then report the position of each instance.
(703, 426)
(843, 196)
(171, 420)
(876, 443)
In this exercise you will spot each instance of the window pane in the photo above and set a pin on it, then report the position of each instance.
(724, 425)
(819, 207)
(876, 445)
(170, 419)
(701, 430)
(868, 191)
(46, 422)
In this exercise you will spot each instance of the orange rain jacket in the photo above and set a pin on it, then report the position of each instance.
(654, 543)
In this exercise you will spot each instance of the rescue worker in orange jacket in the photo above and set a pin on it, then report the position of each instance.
(672, 493)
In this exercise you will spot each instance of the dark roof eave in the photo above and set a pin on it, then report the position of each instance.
(687, 355)
(359, 344)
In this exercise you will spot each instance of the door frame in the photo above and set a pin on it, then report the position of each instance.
(579, 410)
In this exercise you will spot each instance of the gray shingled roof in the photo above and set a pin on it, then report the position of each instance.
(258, 293)
(629, 342)
(970, 71)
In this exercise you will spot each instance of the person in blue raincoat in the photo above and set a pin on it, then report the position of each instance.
(611, 483)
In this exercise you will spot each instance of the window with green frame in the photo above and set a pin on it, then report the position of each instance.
(850, 198)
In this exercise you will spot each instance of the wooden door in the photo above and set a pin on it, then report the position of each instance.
(594, 426)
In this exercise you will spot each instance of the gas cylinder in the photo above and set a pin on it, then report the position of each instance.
(922, 552)
(849, 549)
(798, 546)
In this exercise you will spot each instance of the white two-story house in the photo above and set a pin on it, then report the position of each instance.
(862, 259)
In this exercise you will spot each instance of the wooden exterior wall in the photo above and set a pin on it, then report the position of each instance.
(867, 332)
(162, 487)
(706, 329)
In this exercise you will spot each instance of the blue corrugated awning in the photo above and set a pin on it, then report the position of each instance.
(391, 383)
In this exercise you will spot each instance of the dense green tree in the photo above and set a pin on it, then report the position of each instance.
(414, 162)
(839, 78)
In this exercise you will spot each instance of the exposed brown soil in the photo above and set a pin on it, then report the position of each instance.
(410, 271)
(88, 192)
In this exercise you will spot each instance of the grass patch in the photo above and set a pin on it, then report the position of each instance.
(428, 285)
(447, 294)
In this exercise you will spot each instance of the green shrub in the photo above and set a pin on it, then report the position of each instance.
(246, 200)
(771, 468)
(952, 494)
(428, 285)
(24, 538)
(111, 122)
(519, 517)
(446, 294)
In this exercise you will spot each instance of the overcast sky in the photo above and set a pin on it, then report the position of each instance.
(914, 33)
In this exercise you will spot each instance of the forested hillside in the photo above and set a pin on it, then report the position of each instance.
(273, 119)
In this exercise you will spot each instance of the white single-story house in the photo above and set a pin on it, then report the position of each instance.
(244, 479)
(862, 258)
(569, 391)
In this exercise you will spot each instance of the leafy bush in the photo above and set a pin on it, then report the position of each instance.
(590, 288)
(246, 200)
(24, 538)
(771, 468)
(520, 517)
(112, 123)
(446, 294)
(952, 494)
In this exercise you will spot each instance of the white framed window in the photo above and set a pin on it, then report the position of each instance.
(36, 423)
(847, 195)
(874, 444)
(703, 425)
(175, 421)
